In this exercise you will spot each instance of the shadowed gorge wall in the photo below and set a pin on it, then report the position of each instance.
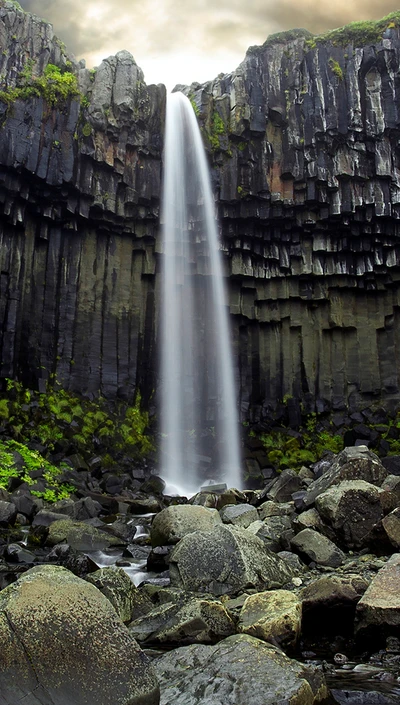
(304, 144)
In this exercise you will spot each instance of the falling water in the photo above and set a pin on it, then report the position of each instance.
(198, 391)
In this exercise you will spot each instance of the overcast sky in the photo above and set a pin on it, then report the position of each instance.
(181, 41)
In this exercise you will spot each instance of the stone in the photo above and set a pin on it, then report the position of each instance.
(173, 523)
(284, 486)
(8, 514)
(62, 642)
(310, 519)
(225, 560)
(318, 548)
(391, 525)
(239, 669)
(275, 531)
(273, 616)
(80, 536)
(118, 588)
(378, 611)
(353, 510)
(241, 515)
(271, 509)
(331, 601)
(352, 463)
(195, 621)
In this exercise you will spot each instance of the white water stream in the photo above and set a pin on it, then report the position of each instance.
(198, 389)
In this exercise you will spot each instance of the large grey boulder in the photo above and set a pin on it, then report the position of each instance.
(240, 670)
(378, 612)
(318, 548)
(353, 510)
(353, 463)
(173, 523)
(225, 560)
(62, 643)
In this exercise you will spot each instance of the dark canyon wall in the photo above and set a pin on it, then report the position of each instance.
(303, 141)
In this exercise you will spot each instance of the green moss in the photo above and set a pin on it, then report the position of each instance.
(336, 68)
(286, 451)
(54, 86)
(120, 429)
(194, 106)
(285, 37)
(32, 461)
(357, 33)
(87, 129)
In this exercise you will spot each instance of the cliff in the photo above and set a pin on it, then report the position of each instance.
(303, 141)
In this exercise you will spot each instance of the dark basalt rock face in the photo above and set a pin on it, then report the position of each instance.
(305, 163)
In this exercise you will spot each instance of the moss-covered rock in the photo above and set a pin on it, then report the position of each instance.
(63, 643)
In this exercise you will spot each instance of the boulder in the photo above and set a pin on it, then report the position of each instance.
(225, 560)
(273, 616)
(391, 525)
(62, 643)
(80, 536)
(173, 523)
(238, 514)
(8, 514)
(352, 463)
(331, 601)
(275, 531)
(284, 486)
(119, 589)
(184, 622)
(353, 510)
(378, 612)
(318, 548)
(273, 509)
(240, 669)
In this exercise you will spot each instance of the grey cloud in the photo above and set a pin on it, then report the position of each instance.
(158, 28)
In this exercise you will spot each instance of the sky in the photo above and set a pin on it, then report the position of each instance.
(182, 41)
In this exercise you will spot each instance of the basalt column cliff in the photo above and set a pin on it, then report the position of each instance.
(303, 139)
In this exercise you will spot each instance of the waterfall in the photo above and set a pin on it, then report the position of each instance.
(199, 416)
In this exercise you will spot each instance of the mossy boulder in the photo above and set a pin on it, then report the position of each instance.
(273, 616)
(173, 523)
(62, 642)
(225, 561)
(240, 669)
(80, 536)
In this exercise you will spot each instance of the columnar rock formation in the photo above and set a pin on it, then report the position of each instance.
(303, 141)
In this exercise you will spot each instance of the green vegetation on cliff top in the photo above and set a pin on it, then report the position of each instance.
(358, 33)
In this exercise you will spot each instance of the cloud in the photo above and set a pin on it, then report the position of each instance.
(162, 29)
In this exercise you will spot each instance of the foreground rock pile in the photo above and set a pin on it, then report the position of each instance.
(240, 588)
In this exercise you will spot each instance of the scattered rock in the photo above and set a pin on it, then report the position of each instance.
(318, 548)
(353, 509)
(241, 515)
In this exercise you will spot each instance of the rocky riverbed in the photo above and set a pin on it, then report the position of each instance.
(288, 594)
